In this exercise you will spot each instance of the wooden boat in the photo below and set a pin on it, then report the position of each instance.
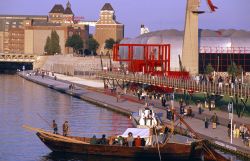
(81, 145)
(209, 154)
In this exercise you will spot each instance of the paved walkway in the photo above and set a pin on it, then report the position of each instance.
(128, 104)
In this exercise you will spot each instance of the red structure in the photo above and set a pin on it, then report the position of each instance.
(151, 59)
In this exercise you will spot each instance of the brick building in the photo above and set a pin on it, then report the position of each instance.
(27, 33)
(107, 27)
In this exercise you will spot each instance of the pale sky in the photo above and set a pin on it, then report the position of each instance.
(155, 14)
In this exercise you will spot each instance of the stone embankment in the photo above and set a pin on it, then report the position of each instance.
(72, 65)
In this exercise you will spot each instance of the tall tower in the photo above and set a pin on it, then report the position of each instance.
(190, 52)
(107, 27)
(68, 15)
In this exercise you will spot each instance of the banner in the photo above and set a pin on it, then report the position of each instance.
(211, 5)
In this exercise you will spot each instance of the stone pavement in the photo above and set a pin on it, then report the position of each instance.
(128, 104)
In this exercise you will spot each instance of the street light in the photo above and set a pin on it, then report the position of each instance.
(230, 111)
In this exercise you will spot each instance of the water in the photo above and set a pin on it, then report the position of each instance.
(23, 102)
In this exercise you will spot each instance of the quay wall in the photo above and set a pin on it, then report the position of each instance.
(73, 65)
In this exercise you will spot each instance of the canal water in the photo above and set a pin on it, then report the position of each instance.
(23, 102)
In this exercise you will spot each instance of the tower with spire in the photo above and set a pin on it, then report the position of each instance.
(68, 14)
(60, 15)
(107, 27)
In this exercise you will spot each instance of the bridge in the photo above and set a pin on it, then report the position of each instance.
(240, 90)
(18, 58)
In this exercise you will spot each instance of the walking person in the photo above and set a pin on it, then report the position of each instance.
(199, 106)
(229, 129)
(206, 122)
(214, 120)
(54, 126)
(65, 128)
(118, 96)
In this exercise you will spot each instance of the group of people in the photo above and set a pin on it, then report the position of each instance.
(65, 128)
(240, 131)
(130, 141)
(227, 81)
(72, 86)
(214, 120)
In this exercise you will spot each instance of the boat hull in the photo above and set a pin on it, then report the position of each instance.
(170, 151)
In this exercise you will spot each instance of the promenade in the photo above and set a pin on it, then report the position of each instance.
(93, 92)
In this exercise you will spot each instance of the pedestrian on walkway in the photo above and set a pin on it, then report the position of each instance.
(117, 96)
(206, 122)
(163, 101)
(229, 129)
(199, 106)
(214, 120)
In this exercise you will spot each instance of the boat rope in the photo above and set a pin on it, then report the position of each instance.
(158, 147)
(44, 120)
(205, 147)
(169, 136)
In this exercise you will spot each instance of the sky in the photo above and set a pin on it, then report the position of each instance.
(154, 14)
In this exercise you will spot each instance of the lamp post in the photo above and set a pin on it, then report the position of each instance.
(230, 111)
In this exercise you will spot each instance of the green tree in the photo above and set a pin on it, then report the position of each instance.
(76, 42)
(47, 45)
(234, 70)
(52, 43)
(93, 45)
(55, 47)
(109, 43)
(209, 69)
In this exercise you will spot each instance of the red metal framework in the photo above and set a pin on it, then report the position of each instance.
(151, 59)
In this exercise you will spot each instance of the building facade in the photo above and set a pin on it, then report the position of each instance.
(11, 27)
(107, 27)
(219, 48)
(27, 34)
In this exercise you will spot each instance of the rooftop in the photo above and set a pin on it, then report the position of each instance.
(25, 16)
(68, 11)
(107, 6)
(58, 8)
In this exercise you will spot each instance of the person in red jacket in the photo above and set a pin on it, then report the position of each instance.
(138, 141)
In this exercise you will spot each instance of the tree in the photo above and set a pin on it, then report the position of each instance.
(76, 42)
(209, 69)
(47, 45)
(92, 44)
(52, 43)
(234, 70)
(109, 43)
(55, 47)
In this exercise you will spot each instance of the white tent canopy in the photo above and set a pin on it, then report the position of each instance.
(142, 132)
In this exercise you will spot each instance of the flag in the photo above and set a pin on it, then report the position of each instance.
(211, 5)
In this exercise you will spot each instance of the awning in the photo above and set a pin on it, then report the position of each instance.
(142, 132)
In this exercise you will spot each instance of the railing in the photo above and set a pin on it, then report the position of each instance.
(220, 50)
(17, 58)
(241, 90)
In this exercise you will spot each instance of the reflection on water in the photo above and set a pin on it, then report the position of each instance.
(73, 157)
(23, 102)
